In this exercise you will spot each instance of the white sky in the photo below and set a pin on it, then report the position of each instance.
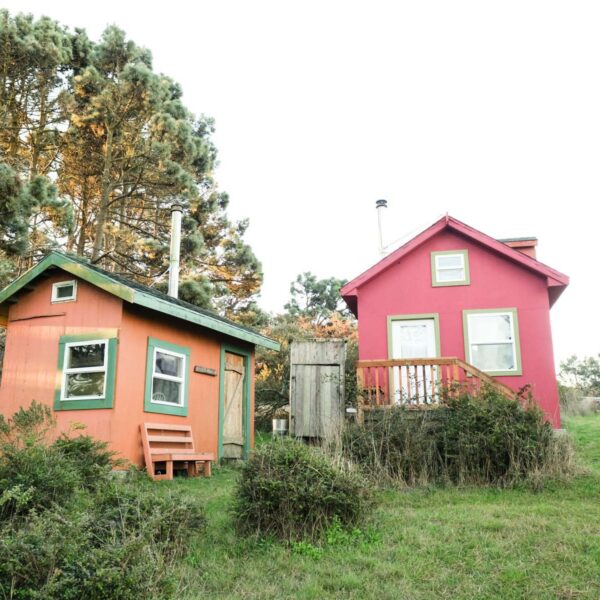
(487, 110)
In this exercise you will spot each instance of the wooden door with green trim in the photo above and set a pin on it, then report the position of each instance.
(233, 406)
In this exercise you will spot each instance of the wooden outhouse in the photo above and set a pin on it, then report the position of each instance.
(317, 387)
(113, 354)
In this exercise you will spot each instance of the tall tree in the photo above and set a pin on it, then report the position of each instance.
(95, 123)
(34, 62)
(316, 299)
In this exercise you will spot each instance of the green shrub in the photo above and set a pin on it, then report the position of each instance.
(31, 476)
(36, 473)
(293, 492)
(487, 439)
(90, 458)
(70, 530)
(162, 517)
(122, 542)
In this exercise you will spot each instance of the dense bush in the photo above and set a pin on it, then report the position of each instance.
(36, 473)
(123, 545)
(486, 439)
(291, 491)
(71, 530)
(90, 458)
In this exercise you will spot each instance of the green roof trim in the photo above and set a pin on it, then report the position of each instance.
(141, 295)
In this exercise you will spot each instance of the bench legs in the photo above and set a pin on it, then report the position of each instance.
(206, 468)
(192, 469)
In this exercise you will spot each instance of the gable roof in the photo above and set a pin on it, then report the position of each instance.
(556, 281)
(136, 293)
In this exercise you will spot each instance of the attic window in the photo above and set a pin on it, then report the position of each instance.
(450, 268)
(64, 291)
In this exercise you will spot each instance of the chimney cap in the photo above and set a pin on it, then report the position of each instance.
(381, 203)
(176, 207)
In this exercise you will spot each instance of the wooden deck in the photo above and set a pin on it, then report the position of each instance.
(419, 382)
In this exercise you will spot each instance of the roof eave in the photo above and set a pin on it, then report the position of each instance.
(180, 312)
(128, 294)
(462, 228)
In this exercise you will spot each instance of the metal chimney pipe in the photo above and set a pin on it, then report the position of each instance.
(176, 211)
(381, 205)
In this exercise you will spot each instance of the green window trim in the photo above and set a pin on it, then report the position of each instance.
(166, 409)
(518, 370)
(111, 367)
(434, 278)
(246, 412)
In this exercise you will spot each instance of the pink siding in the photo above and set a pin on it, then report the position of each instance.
(31, 359)
(405, 288)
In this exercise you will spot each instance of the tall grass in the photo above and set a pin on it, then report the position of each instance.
(487, 440)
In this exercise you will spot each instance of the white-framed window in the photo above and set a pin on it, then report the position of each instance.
(84, 371)
(492, 341)
(168, 377)
(64, 291)
(450, 268)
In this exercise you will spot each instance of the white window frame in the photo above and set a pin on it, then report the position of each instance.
(74, 371)
(60, 284)
(514, 341)
(180, 380)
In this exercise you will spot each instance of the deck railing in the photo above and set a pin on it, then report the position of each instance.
(419, 382)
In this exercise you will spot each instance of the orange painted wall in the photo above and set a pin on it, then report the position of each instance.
(203, 396)
(31, 358)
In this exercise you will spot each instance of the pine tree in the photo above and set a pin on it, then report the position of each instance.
(97, 148)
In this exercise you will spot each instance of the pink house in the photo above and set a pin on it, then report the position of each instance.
(453, 291)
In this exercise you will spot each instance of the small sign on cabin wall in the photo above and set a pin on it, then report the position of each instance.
(205, 371)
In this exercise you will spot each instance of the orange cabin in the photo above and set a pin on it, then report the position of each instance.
(112, 355)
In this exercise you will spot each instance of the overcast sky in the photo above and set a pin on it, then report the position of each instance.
(487, 110)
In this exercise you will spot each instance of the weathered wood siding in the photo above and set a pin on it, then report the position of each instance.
(317, 387)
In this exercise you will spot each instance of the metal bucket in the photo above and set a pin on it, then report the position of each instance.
(280, 427)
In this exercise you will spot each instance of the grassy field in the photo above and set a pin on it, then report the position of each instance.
(437, 543)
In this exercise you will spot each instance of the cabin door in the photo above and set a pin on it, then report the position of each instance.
(413, 338)
(233, 406)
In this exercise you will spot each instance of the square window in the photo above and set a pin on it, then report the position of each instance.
(87, 367)
(450, 268)
(64, 291)
(492, 341)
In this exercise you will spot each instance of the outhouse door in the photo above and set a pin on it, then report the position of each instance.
(233, 406)
(413, 338)
(317, 401)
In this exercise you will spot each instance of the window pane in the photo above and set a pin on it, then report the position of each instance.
(449, 261)
(165, 391)
(167, 364)
(64, 291)
(490, 328)
(414, 341)
(451, 275)
(493, 357)
(90, 355)
(85, 384)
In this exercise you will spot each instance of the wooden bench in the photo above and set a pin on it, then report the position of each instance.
(170, 444)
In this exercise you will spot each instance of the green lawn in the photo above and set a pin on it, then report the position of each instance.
(440, 543)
